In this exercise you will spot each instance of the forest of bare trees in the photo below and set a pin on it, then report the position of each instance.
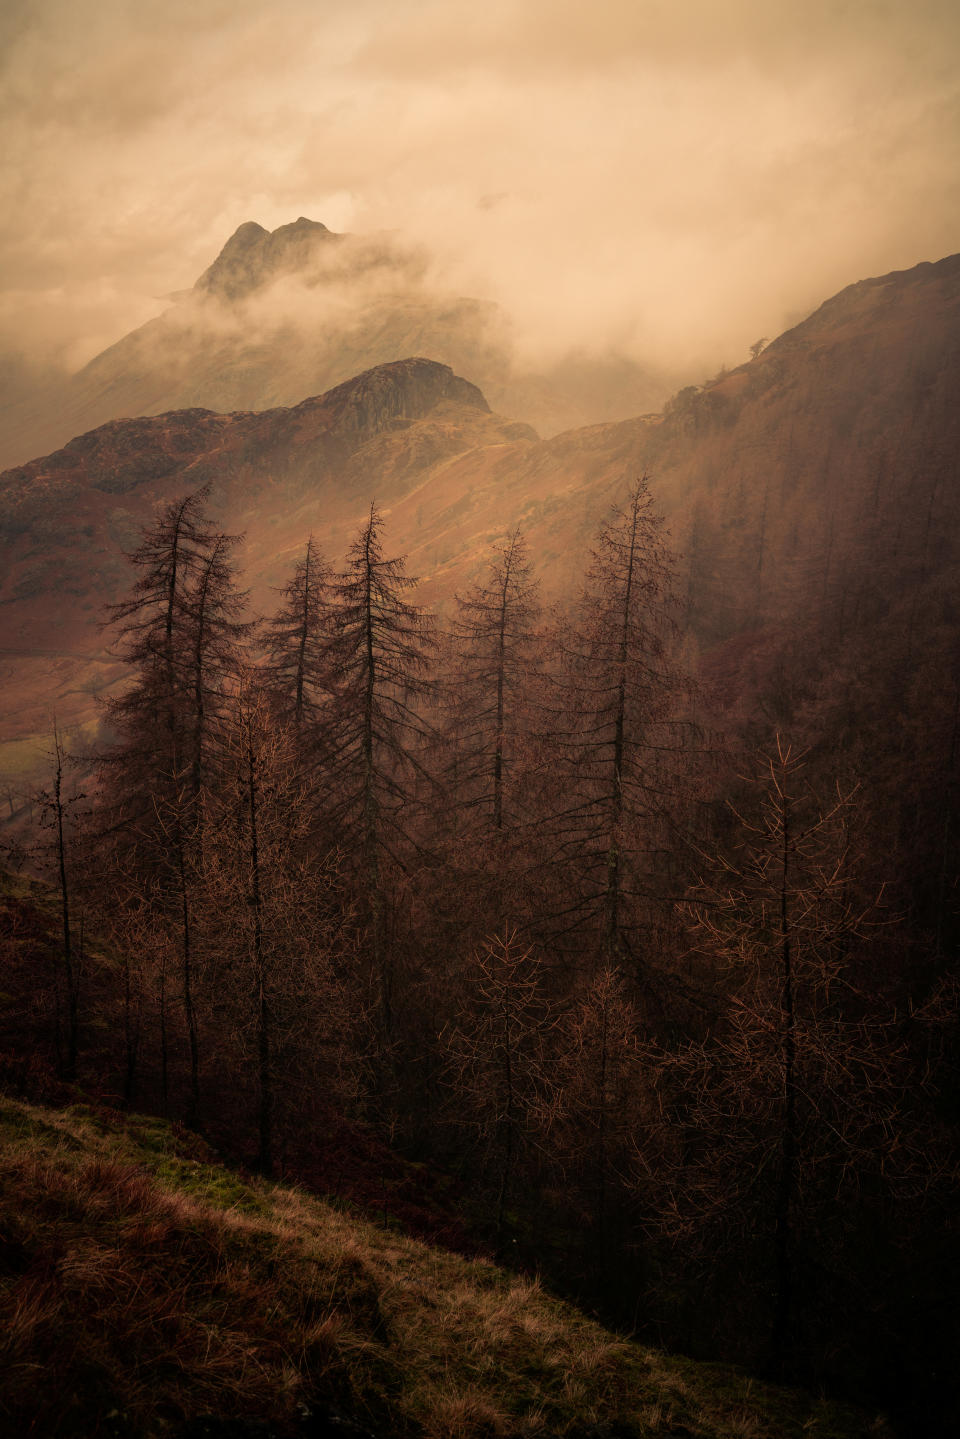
(499, 889)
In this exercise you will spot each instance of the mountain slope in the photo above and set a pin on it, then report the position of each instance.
(830, 455)
(169, 1296)
(810, 492)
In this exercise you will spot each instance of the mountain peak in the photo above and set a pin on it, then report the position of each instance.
(253, 256)
(246, 232)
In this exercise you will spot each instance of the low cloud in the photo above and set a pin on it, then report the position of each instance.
(665, 182)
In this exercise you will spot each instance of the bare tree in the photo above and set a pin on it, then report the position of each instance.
(57, 810)
(180, 632)
(625, 716)
(272, 914)
(214, 632)
(487, 848)
(149, 633)
(373, 734)
(129, 923)
(297, 640)
(602, 1101)
(496, 659)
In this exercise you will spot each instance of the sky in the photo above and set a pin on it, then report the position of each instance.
(666, 179)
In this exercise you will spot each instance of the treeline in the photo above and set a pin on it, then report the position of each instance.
(498, 890)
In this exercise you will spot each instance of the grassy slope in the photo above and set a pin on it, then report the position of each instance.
(142, 1286)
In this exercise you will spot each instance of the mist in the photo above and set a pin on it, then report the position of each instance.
(661, 183)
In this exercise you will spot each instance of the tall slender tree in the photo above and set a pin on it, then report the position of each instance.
(496, 659)
(215, 632)
(793, 1096)
(57, 810)
(486, 757)
(602, 1096)
(271, 912)
(297, 639)
(180, 633)
(497, 1065)
(625, 703)
(150, 637)
(374, 732)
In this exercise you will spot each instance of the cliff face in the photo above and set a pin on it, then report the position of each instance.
(407, 390)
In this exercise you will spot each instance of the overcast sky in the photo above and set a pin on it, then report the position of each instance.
(672, 178)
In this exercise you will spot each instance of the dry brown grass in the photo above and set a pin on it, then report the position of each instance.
(140, 1282)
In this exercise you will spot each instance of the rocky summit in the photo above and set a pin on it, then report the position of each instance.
(253, 256)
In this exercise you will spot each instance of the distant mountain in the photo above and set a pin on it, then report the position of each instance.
(253, 257)
(812, 495)
(66, 520)
(282, 315)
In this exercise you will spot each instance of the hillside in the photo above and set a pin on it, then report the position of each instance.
(324, 934)
(160, 1294)
(286, 314)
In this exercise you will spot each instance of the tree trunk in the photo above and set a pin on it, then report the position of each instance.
(371, 819)
(265, 1114)
(70, 1067)
(784, 1238)
(186, 940)
(612, 901)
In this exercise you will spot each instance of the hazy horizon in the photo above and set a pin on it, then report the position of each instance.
(665, 183)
